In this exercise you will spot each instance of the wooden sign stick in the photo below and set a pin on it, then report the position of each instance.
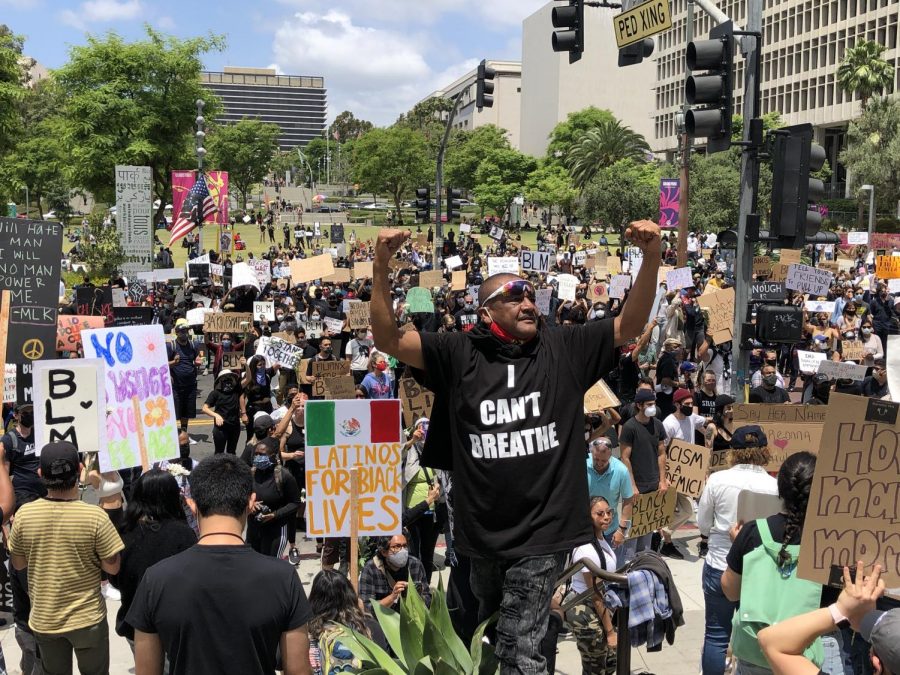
(139, 429)
(5, 299)
(354, 528)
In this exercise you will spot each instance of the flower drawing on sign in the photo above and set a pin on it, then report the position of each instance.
(157, 412)
(351, 427)
(149, 344)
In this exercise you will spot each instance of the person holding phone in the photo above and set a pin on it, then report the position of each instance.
(421, 492)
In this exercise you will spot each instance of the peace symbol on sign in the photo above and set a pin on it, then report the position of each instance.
(33, 349)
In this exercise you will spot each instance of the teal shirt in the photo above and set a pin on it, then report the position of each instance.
(614, 484)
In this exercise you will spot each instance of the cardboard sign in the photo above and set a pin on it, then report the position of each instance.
(9, 383)
(69, 327)
(819, 306)
(767, 291)
(341, 276)
(853, 350)
(278, 351)
(226, 322)
(600, 397)
(786, 413)
(619, 285)
(140, 425)
(779, 272)
(720, 308)
(419, 301)
(363, 270)
(687, 466)
(809, 361)
(263, 310)
(329, 369)
(453, 262)
(314, 329)
(542, 298)
(73, 405)
(718, 460)
(232, 360)
(334, 388)
(535, 261)
(132, 316)
(790, 256)
(317, 267)
(287, 337)
(431, 279)
(830, 265)
(858, 238)
(613, 265)
(887, 267)
(842, 370)
(417, 400)
(852, 513)
(806, 279)
(458, 281)
(679, 278)
(364, 436)
(652, 511)
(359, 315)
(597, 292)
(568, 285)
(502, 266)
(786, 439)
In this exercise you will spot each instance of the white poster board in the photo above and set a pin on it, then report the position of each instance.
(842, 370)
(74, 404)
(858, 238)
(535, 261)
(806, 279)
(542, 298)
(809, 361)
(502, 266)
(134, 217)
(275, 350)
(618, 285)
(262, 269)
(244, 275)
(568, 284)
(264, 310)
(679, 278)
(9, 383)
(819, 306)
(453, 262)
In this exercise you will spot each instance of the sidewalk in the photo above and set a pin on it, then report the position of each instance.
(682, 658)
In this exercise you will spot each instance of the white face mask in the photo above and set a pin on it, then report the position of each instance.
(650, 411)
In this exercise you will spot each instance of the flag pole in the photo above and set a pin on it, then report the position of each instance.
(201, 153)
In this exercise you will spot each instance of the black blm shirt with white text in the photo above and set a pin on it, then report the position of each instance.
(517, 437)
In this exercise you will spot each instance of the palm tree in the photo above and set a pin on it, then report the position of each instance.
(863, 71)
(603, 146)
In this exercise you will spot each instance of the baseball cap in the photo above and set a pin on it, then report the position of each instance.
(682, 394)
(181, 323)
(262, 420)
(59, 460)
(882, 631)
(750, 436)
(644, 395)
(723, 401)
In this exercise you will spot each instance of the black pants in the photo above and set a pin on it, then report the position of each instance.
(423, 536)
(268, 539)
(225, 438)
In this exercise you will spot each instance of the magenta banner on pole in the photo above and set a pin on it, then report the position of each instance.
(182, 182)
(669, 196)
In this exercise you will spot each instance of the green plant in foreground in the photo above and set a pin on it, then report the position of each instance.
(423, 640)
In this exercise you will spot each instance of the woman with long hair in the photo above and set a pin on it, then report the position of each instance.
(257, 392)
(154, 529)
(277, 501)
(761, 572)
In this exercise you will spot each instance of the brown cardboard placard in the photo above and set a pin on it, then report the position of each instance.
(363, 270)
(651, 511)
(232, 361)
(613, 265)
(600, 397)
(301, 371)
(341, 276)
(422, 239)
(721, 314)
(762, 265)
(225, 322)
(661, 274)
(431, 278)
(458, 280)
(326, 369)
(779, 272)
(290, 338)
(852, 512)
(718, 460)
(417, 400)
(852, 350)
(309, 269)
(778, 413)
(337, 388)
(790, 256)
(687, 466)
(359, 316)
(787, 439)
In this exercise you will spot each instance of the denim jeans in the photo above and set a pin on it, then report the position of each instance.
(834, 664)
(745, 668)
(521, 591)
(626, 552)
(719, 613)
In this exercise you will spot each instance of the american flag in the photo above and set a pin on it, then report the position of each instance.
(198, 200)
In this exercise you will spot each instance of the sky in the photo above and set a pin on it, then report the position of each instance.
(378, 57)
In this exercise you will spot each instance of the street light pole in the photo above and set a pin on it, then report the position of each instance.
(27, 201)
(200, 137)
(871, 190)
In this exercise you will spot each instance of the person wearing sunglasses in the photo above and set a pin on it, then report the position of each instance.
(508, 420)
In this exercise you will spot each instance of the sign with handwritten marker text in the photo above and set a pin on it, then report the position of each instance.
(73, 405)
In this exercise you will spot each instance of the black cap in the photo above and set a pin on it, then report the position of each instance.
(59, 461)
(723, 401)
(749, 437)
(644, 395)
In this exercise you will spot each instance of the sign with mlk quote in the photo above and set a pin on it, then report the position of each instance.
(359, 435)
(141, 428)
(854, 500)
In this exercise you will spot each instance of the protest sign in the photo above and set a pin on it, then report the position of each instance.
(786, 439)
(767, 291)
(887, 267)
(842, 370)
(232, 360)
(287, 337)
(244, 275)
(779, 272)
(853, 350)
(9, 383)
(600, 397)
(334, 388)
(502, 266)
(453, 262)
(262, 269)
(679, 278)
(134, 217)
(830, 265)
(309, 269)
(195, 317)
(893, 286)
(853, 501)
(337, 233)
(419, 300)
(458, 281)
(718, 460)
(613, 265)
(662, 272)
(496, 233)
(329, 369)
(226, 322)
(775, 413)
(819, 306)
(363, 436)
(276, 350)
(197, 270)
(363, 270)
(119, 297)
(687, 466)
(263, 310)
(542, 298)
(464, 227)
(140, 414)
(809, 361)
(431, 278)
(359, 315)
(806, 279)
(535, 261)
(132, 316)
(567, 287)
(94, 301)
(69, 327)
(789, 428)
(720, 306)
(341, 275)
(790, 256)
(314, 328)
(597, 292)
(417, 400)
(137, 290)
(858, 238)
(73, 404)
(651, 512)
(333, 325)
(618, 285)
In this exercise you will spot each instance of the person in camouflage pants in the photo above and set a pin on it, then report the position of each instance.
(597, 656)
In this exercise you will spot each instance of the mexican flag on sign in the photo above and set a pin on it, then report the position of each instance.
(352, 422)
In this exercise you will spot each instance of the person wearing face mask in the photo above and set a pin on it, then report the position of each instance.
(769, 391)
(359, 349)
(20, 458)
(291, 432)
(872, 344)
(667, 377)
(277, 501)
(770, 359)
(387, 575)
(467, 317)
(256, 391)
(378, 383)
(223, 404)
(227, 345)
(185, 356)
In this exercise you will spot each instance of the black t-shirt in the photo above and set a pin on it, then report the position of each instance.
(516, 436)
(227, 405)
(629, 374)
(220, 609)
(644, 440)
(706, 404)
(23, 465)
(762, 395)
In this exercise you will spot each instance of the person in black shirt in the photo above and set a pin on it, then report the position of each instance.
(22, 462)
(223, 405)
(185, 356)
(256, 391)
(705, 397)
(277, 501)
(667, 377)
(508, 420)
(220, 607)
(769, 391)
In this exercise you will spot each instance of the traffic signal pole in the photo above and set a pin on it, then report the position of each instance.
(438, 181)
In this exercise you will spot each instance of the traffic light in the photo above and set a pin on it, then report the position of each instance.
(484, 88)
(571, 38)
(714, 90)
(794, 158)
(632, 54)
(453, 204)
(423, 204)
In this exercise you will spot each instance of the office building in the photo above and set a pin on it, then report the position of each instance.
(297, 104)
(506, 112)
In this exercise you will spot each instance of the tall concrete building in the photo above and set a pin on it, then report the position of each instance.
(803, 45)
(506, 113)
(296, 103)
(552, 88)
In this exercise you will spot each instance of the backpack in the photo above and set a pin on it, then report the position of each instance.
(768, 596)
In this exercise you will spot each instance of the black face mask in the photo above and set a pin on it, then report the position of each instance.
(686, 410)
(26, 419)
(185, 450)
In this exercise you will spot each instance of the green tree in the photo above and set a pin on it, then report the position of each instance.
(551, 185)
(315, 152)
(133, 103)
(603, 146)
(392, 161)
(715, 192)
(467, 150)
(500, 178)
(864, 72)
(104, 257)
(621, 193)
(568, 133)
(872, 154)
(245, 150)
(12, 75)
(346, 127)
